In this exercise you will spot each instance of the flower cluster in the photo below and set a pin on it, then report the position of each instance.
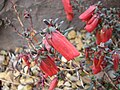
(98, 19)
(54, 43)
(92, 20)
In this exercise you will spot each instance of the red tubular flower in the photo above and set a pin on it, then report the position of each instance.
(88, 13)
(116, 61)
(98, 38)
(92, 19)
(53, 84)
(26, 60)
(109, 33)
(48, 66)
(97, 64)
(106, 34)
(86, 53)
(92, 26)
(96, 70)
(68, 9)
(62, 45)
(70, 16)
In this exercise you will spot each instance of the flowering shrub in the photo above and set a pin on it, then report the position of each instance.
(47, 48)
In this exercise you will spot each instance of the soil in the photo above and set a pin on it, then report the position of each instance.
(39, 9)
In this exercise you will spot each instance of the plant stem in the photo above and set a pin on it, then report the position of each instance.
(111, 81)
(18, 17)
(21, 24)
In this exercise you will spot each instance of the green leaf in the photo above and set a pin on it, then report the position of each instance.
(91, 87)
(67, 30)
(118, 86)
(118, 29)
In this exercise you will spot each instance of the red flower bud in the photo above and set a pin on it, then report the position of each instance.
(106, 34)
(88, 13)
(97, 64)
(53, 84)
(48, 66)
(86, 53)
(68, 9)
(116, 59)
(101, 59)
(70, 16)
(62, 45)
(26, 60)
(98, 38)
(96, 70)
(92, 26)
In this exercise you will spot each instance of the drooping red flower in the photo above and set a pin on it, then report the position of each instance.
(106, 34)
(48, 66)
(53, 83)
(68, 9)
(109, 33)
(92, 26)
(26, 60)
(86, 53)
(98, 37)
(97, 64)
(92, 19)
(116, 59)
(62, 45)
(85, 16)
(96, 70)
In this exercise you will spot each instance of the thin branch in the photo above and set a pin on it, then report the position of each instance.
(17, 14)
(111, 81)
(3, 80)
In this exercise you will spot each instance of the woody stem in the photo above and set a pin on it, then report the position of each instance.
(111, 81)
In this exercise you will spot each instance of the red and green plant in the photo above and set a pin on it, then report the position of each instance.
(48, 46)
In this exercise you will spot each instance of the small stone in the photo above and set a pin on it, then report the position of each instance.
(67, 88)
(68, 75)
(27, 80)
(63, 59)
(78, 39)
(86, 87)
(67, 84)
(73, 85)
(58, 89)
(72, 41)
(71, 34)
(60, 83)
(2, 74)
(35, 70)
(73, 78)
(79, 83)
(3, 52)
(2, 58)
(79, 46)
(27, 87)
(5, 88)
